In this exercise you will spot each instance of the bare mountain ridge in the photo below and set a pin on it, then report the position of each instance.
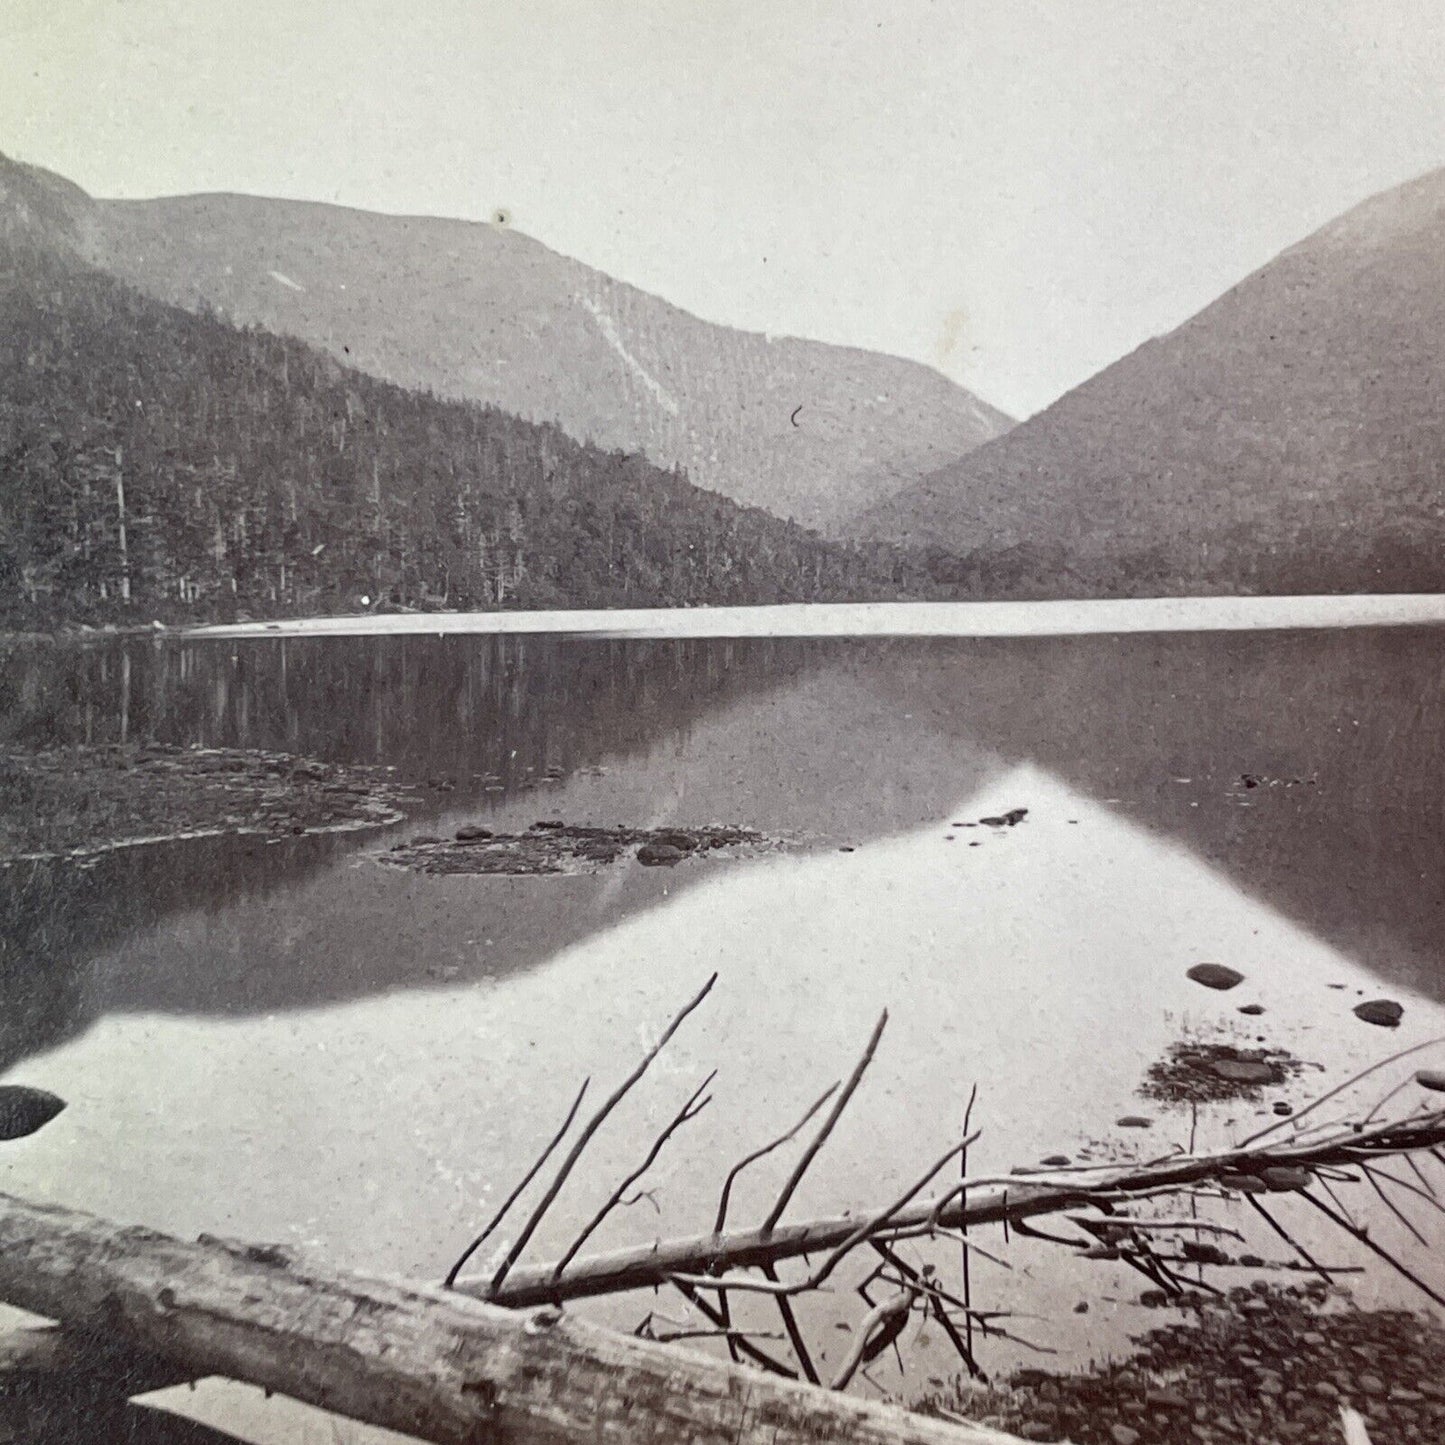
(1291, 436)
(481, 312)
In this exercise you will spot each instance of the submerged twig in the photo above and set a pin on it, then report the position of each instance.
(1289, 1239)
(1394, 1208)
(1427, 1194)
(1364, 1238)
(795, 1335)
(741, 1340)
(879, 1318)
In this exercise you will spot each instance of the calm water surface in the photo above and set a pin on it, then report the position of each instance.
(292, 1042)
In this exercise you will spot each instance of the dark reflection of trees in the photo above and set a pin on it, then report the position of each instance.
(446, 714)
(898, 731)
(1357, 855)
(429, 706)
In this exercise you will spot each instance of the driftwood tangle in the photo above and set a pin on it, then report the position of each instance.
(413, 1359)
(467, 1363)
(1016, 1199)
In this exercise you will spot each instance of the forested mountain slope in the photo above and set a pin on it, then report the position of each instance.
(484, 313)
(159, 463)
(1289, 438)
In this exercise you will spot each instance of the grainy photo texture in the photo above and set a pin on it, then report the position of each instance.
(721, 722)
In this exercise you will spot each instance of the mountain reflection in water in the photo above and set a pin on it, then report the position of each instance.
(1306, 765)
(291, 1041)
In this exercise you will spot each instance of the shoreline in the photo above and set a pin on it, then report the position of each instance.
(1084, 617)
(883, 619)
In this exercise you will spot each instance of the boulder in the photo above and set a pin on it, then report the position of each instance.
(23, 1110)
(1216, 975)
(1242, 1071)
(1383, 1012)
(659, 855)
(1011, 819)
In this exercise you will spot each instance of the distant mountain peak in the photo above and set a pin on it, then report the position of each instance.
(1413, 210)
(1289, 437)
(481, 312)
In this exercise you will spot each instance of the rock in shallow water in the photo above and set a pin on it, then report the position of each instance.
(1011, 819)
(1384, 1012)
(1432, 1079)
(23, 1110)
(1216, 975)
(1244, 1071)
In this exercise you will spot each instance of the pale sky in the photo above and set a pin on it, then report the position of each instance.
(1014, 191)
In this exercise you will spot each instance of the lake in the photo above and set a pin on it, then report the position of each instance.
(292, 1041)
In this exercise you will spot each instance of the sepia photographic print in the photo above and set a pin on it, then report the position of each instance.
(721, 722)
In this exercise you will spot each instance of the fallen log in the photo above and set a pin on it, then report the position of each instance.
(1283, 1164)
(410, 1358)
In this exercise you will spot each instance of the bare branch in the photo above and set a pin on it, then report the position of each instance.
(1394, 1208)
(876, 1221)
(593, 1125)
(960, 1237)
(1274, 1166)
(966, 1249)
(1339, 1089)
(735, 1338)
(912, 1277)
(689, 1111)
(894, 1307)
(512, 1198)
(821, 1137)
(720, 1223)
(1374, 1248)
(673, 1336)
(869, 1226)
